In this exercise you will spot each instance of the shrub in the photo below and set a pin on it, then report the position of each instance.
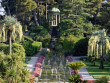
(41, 34)
(103, 79)
(76, 66)
(37, 29)
(16, 48)
(75, 78)
(37, 45)
(28, 38)
(81, 47)
(25, 27)
(66, 44)
(4, 47)
(12, 70)
(19, 50)
(45, 39)
(31, 47)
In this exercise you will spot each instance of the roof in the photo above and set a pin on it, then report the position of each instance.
(54, 10)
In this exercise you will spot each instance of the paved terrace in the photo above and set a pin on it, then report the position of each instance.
(83, 71)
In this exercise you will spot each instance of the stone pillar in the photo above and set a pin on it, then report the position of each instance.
(52, 19)
(56, 20)
(59, 18)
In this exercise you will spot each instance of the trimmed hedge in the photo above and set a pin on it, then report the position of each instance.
(81, 47)
(31, 47)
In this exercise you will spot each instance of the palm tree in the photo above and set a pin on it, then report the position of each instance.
(98, 45)
(10, 28)
(76, 66)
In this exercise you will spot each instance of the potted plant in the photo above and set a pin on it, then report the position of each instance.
(76, 66)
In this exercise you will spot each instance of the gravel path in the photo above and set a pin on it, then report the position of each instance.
(83, 71)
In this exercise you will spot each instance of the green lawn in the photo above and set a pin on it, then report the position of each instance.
(97, 64)
(98, 73)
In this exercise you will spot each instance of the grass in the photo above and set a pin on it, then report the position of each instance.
(97, 64)
(98, 73)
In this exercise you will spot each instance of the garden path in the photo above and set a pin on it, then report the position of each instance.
(31, 64)
(83, 71)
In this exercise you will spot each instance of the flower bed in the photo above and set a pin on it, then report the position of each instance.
(37, 70)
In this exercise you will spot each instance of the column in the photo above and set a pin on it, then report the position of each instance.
(52, 19)
(59, 18)
(56, 20)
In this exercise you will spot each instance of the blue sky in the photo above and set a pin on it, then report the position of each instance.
(1, 9)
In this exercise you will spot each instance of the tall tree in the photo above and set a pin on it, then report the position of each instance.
(75, 17)
(12, 29)
(22, 9)
(99, 45)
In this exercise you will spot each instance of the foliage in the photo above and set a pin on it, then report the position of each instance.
(12, 70)
(31, 47)
(66, 44)
(81, 47)
(75, 18)
(97, 43)
(10, 24)
(4, 48)
(17, 48)
(75, 78)
(27, 38)
(41, 34)
(76, 65)
(103, 79)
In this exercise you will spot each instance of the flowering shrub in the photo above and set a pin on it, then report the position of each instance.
(37, 69)
(69, 58)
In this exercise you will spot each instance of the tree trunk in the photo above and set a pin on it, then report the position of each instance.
(95, 16)
(101, 58)
(10, 43)
(35, 18)
(46, 10)
(8, 9)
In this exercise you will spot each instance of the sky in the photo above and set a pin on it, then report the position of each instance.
(1, 9)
